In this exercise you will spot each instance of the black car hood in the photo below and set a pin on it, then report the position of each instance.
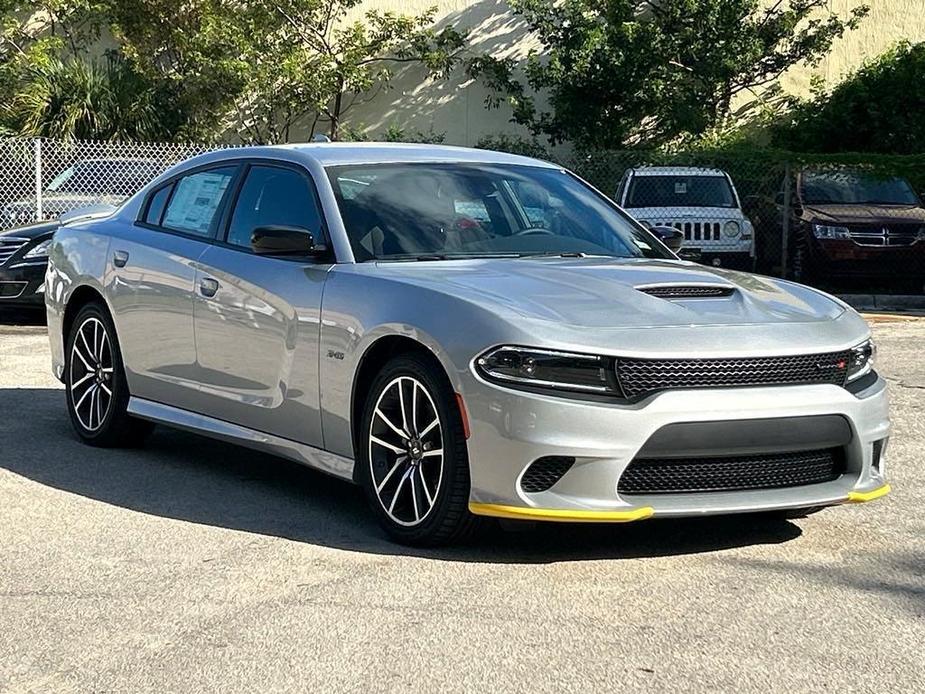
(32, 231)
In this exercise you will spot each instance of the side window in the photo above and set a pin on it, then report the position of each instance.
(273, 196)
(196, 199)
(156, 205)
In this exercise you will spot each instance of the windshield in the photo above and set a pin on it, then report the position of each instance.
(680, 191)
(839, 188)
(437, 211)
(103, 177)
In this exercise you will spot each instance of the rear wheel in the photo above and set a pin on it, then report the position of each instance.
(97, 392)
(413, 462)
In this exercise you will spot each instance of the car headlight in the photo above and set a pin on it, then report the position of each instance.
(825, 231)
(40, 250)
(861, 360)
(731, 228)
(548, 370)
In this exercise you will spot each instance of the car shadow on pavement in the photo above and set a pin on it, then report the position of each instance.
(188, 477)
(10, 316)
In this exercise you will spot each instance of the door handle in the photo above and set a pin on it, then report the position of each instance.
(120, 258)
(208, 286)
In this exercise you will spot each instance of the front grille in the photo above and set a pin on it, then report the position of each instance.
(639, 377)
(545, 472)
(698, 231)
(886, 236)
(764, 471)
(686, 291)
(9, 246)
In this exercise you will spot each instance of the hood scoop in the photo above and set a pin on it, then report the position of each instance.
(687, 291)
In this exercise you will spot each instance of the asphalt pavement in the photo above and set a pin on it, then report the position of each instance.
(191, 566)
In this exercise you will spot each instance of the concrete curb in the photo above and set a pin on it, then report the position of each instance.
(884, 302)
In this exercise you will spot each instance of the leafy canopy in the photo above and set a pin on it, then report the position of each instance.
(618, 73)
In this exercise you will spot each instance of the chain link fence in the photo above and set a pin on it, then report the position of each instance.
(841, 223)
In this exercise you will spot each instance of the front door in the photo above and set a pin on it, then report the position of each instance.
(257, 318)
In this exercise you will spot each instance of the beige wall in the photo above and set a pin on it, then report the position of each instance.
(457, 106)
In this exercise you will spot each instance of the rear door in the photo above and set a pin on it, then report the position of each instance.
(152, 279)
(257, 318)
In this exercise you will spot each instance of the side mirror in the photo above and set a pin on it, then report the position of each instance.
(671, 237)
(283, 240)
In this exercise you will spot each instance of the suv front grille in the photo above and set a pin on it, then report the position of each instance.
(713, 474)
(895, 235)
(640, 377)
(697, 231)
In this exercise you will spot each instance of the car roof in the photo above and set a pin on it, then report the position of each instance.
(343, 153)
(676, 171)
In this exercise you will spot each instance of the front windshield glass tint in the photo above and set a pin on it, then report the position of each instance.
(418, 210)
(680, 191)
(838, 188)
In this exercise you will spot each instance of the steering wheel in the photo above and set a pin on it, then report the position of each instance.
(533, 231)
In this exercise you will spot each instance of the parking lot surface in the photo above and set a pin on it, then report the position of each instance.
(191, 565)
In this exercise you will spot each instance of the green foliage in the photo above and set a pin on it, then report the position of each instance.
(619, 73)
(80, 99)
(394, 133)
(876, 109)
(514, 144)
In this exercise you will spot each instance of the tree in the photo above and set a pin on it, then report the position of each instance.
(90, 100)
(617, 73)
(317, 64)
(876, 109)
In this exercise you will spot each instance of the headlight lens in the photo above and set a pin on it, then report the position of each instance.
(731, 228)
(824, 231)
(861, 360)
(545, 369)
(38, 251)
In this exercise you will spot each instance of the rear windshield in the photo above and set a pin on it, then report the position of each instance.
(680, 191)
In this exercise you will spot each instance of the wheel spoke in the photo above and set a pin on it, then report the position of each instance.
(414, 497)
(414, 407)
(430, 454)
(83, 397)
(105, 389)
(99, 407)
(388, 421)
(430, 499)
(401, 404)
(398, 461)
(86, 377)
(429, 427)
(97, 344)
(80, 356)
(401, 484)
(394, 449)
(91, 409)
(83, 338)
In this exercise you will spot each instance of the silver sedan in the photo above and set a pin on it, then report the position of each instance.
(464, 334)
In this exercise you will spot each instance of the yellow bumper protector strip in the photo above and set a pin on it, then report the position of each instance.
(858, 497)
(560, 514)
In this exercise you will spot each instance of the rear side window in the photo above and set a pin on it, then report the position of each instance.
(157, 204)
(195, 201)
(273, 196)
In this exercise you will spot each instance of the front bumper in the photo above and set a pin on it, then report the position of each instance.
(511, 429)
(22, 284)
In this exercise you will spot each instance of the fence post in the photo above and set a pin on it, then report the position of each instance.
(785, 222)
(38, 179)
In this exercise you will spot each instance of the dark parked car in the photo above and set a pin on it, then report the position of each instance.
(86, 182)
(850, 224)
(24, 258)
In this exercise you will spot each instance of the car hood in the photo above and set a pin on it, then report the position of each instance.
(864, 214)
(56, 204)
(595, 293)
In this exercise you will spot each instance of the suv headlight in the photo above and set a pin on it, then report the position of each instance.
(731, 228)
(40, 250)
(825, 231)
(861, 360)
(548, 370)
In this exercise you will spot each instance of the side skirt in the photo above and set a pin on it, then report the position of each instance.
(312, 457)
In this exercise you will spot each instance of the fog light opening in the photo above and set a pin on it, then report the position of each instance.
(877, 459)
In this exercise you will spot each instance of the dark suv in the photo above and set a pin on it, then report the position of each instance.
(850, 224)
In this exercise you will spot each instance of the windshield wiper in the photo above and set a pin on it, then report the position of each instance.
(558, 254)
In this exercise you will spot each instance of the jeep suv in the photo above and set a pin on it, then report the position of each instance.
(702, 203)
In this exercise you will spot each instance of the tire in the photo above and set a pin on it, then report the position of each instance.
(94, 377)
(414, 470)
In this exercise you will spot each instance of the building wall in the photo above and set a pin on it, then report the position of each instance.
(456, 106)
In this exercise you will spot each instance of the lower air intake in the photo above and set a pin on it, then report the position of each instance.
(545, 472)
(764, 471)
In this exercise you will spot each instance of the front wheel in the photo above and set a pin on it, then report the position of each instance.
(97, 392)
(413, 462)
